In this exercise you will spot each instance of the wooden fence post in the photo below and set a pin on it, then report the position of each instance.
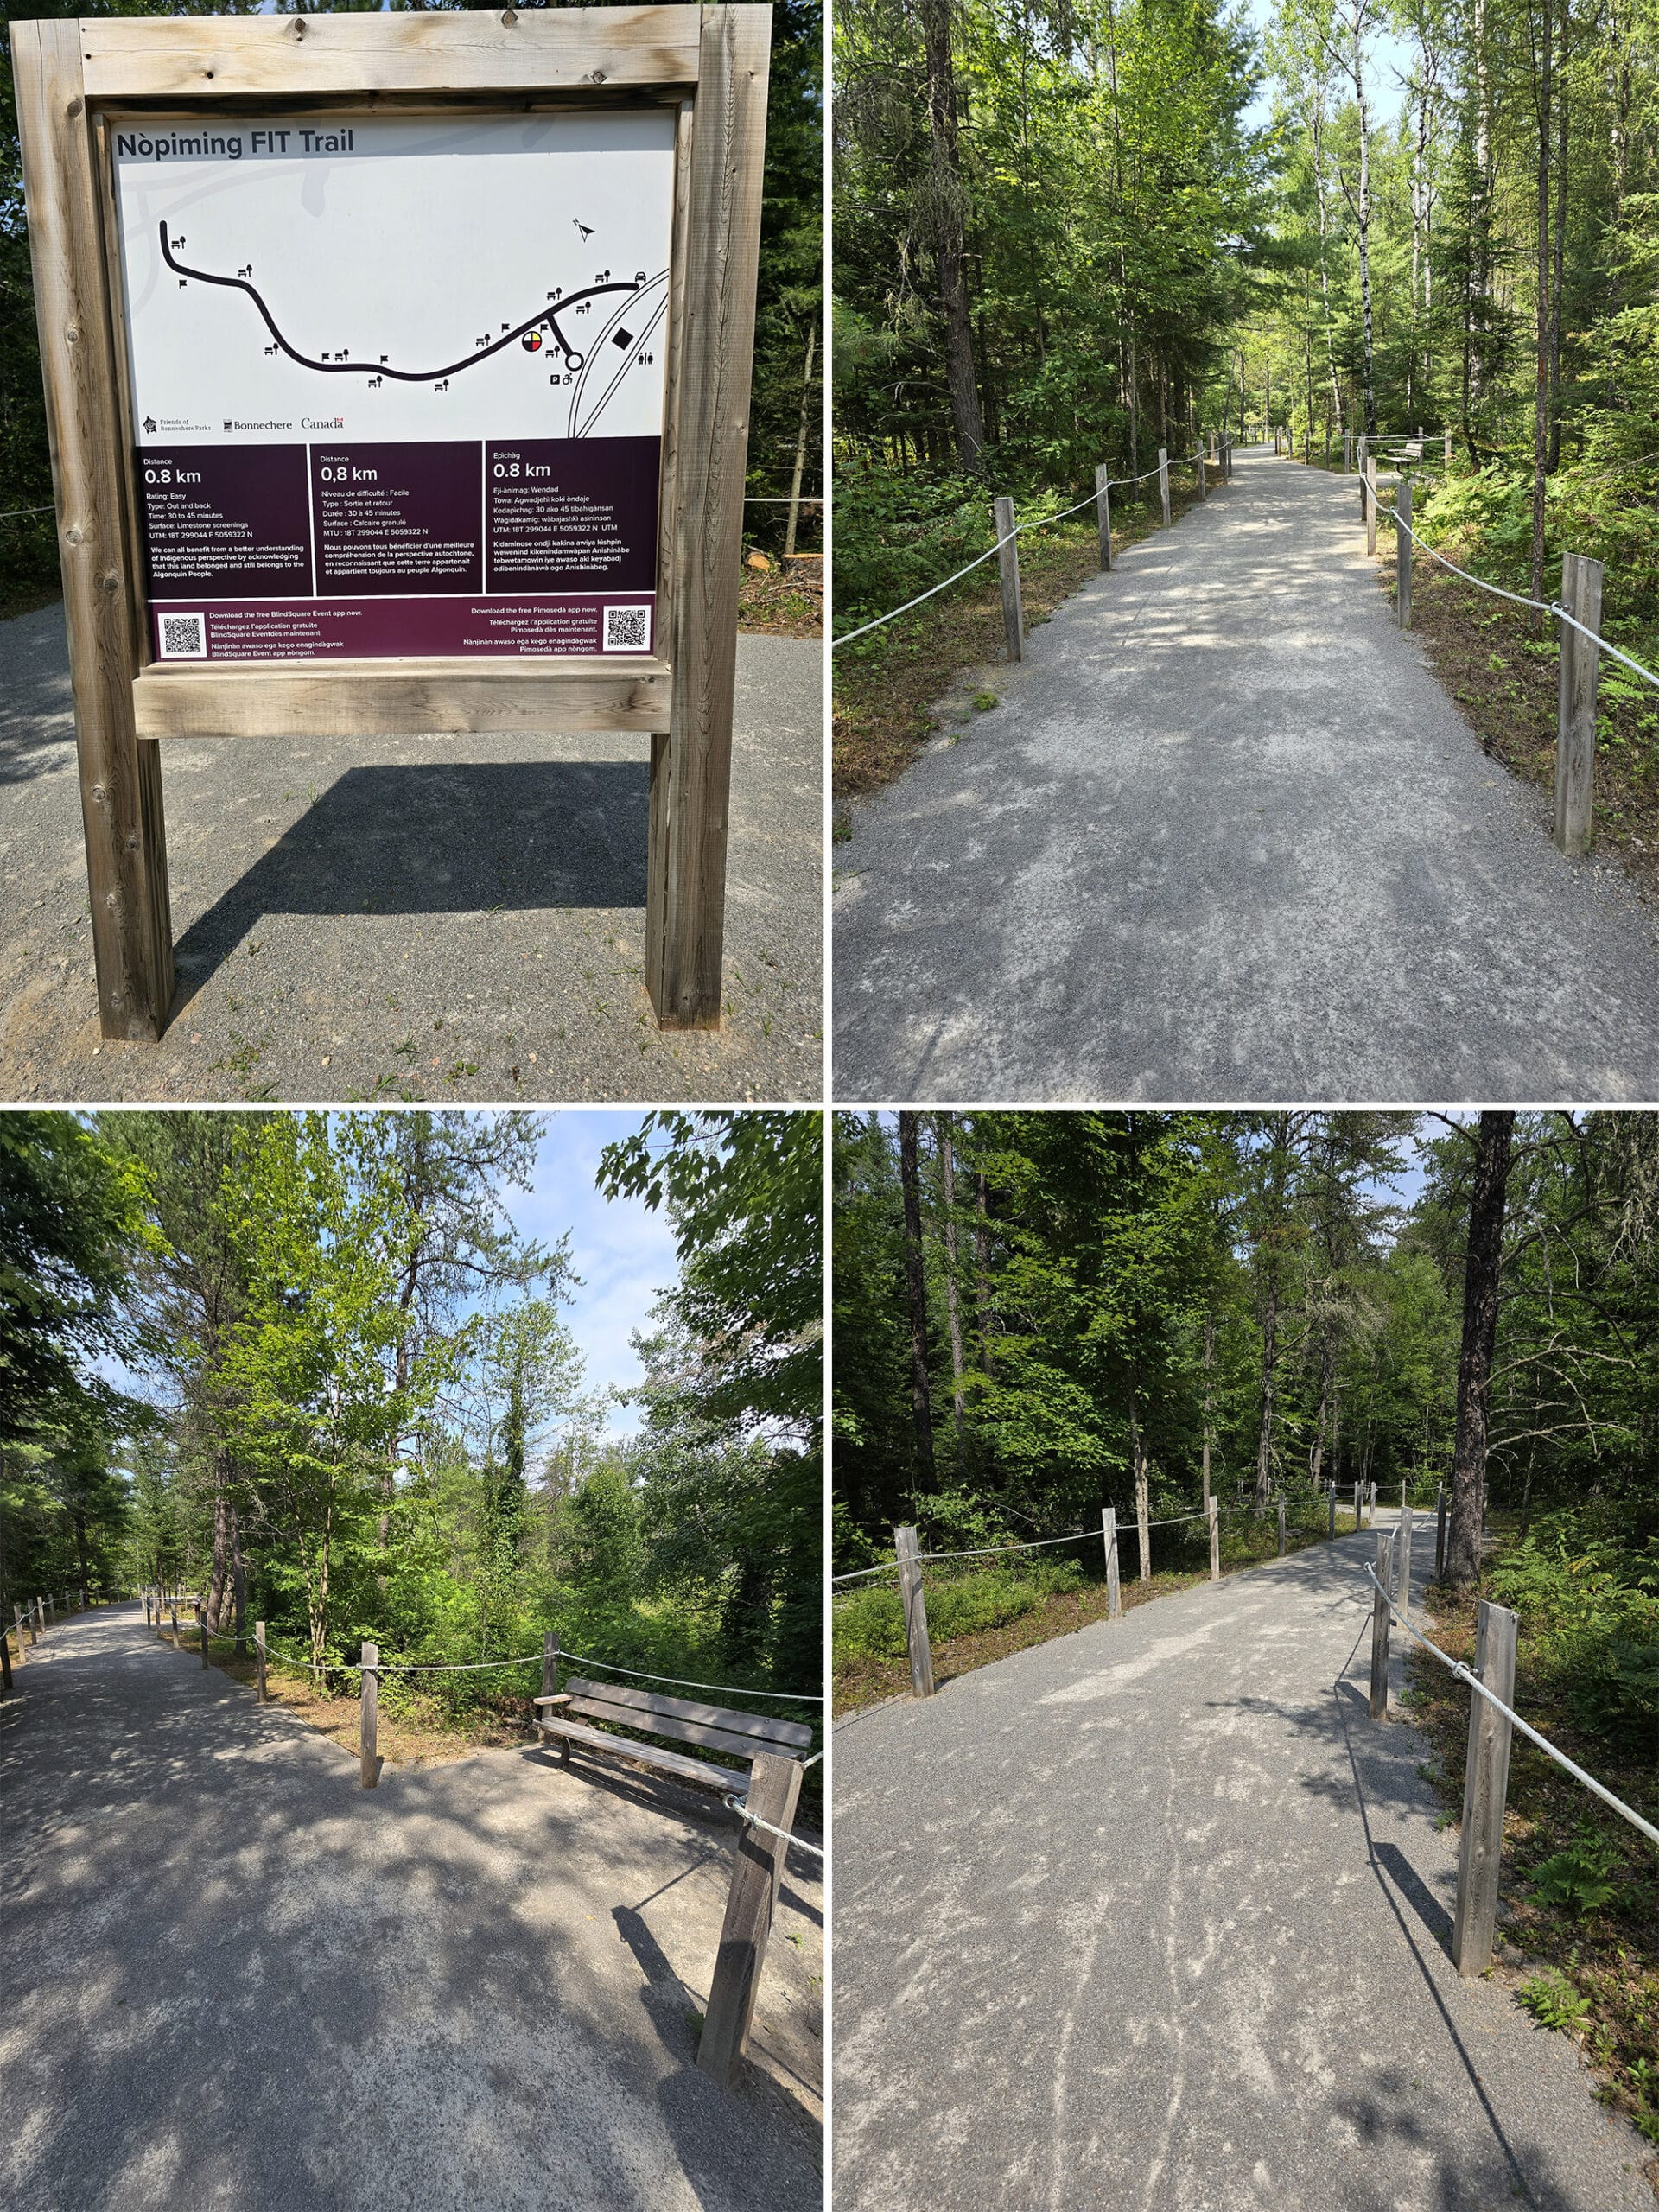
(259, 1663)
(1163, 480)
(915, 1601)
(1381, 1621)
(174, 1609)
(17, 1617)
(1007, 562)
(1347, 453)
(368, 1725)
(1202, 492)
(1575, 729)
(757, 1870)
(1331, 1531)
(1367, 496)
(1402, 552)
(52, 1612)
(1281, 1524)
(551, 1664)
(1440, 1535)
(1402, 1563)
(1448, 449)
(1103, 513)
(5, 1663)
(201, 1629)
(1214, 1539)
(1143, 1525)
(1114, 1590)
(1485, 1785)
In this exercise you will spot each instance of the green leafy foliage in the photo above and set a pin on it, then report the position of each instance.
(1578, 1878)
(871, 1624)
(1553, 2003)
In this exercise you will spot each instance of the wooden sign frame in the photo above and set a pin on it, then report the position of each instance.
(709, 63)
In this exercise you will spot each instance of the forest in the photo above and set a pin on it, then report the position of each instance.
(1073, 233)
(307, 1366)
(785, 394)
(1036, 1313)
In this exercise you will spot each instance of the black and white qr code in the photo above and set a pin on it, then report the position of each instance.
(184, 637)
(628, 629)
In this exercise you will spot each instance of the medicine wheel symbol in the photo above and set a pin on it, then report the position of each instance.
(532, 341)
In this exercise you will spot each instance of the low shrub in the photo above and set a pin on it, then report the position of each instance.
(871, 1624)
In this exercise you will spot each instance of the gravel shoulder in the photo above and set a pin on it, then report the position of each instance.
(433, 917)
(1155, 1916)
(1223, 836)
(239, 1981)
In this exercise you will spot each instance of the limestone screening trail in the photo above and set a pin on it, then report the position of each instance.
(543, 317)
(1154, 1916)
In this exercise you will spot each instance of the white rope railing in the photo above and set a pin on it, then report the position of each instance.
(1039, 522)
(740, 1806)
(1462, 1673)
(1520, 599)
(534, 1658)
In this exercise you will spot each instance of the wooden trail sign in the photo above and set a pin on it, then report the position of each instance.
(323, 468)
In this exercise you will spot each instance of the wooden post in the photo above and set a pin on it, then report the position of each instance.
(17, 1615)
(1007, 562)
(915, 1600)
(368, 1725)
(1448, 449)
(1381, 1622)
(1163, 480)
(260, 1688)
(1575, 730)
(174, 1609)
(52, 1612)
(1281, 1524)
(757, 1870)
(1114, 1592)
(1440, 1535)
(120, 772)
(1485, 1786)
(1103, 513)
(1369, 496)
(1402, 1562)
(5, 1664)
(1143, 1525)
(201, 1629)
(1203, 490)
(1331, 1531)
(551, 1664)
(1214, 1540)
(1402, 552)
(692, 767)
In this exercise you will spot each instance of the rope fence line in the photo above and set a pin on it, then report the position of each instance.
(741, 1807)
(1007, 536)
(1462, 1672)
(1492, 1722)
(16, 514)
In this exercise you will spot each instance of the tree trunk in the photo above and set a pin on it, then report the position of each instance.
(1559, 278)
(1269, 1358)
(1209, 1389)
(238, 1582)
(950, 199)
(948, 1184)
(219, 1581)
(1540, 399)
(982, 1274)
(1492, 1146)
(921, 1411)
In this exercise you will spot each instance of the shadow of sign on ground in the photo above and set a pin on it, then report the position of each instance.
(435, 918)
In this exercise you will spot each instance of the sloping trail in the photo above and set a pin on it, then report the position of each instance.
(1153, 1916)
(235, 1979)
(1227, 837)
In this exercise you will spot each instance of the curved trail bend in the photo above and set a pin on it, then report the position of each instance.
(1155, 1916)
(1227, 837)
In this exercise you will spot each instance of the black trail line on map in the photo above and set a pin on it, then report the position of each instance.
(379, 368)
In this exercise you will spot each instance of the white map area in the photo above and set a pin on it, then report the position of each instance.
(429, 241)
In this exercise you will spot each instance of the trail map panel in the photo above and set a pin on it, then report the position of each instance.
(398, 383)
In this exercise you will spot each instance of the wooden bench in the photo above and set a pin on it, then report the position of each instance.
(712, 1728)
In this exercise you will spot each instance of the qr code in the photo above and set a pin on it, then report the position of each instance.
(628, 629)
(184, 637)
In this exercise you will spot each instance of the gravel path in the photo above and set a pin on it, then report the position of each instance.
(439, 917)
(1226, 837)
(1155, 1916)
(238, 1982)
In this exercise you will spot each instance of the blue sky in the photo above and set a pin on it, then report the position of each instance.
(1388, 59)
(623, 1253)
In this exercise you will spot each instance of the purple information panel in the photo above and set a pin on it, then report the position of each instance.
(355, 551)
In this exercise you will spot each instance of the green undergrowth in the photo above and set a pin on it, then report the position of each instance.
(1580, 1887)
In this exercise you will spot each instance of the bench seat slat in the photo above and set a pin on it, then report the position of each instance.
(675, 1763)
(766, 1727)
(665, 1723)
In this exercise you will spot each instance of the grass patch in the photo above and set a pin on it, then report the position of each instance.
(783, 601)
(1578, 1887)
(887, 685)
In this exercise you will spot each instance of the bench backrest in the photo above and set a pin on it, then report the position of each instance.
(714, 1727)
